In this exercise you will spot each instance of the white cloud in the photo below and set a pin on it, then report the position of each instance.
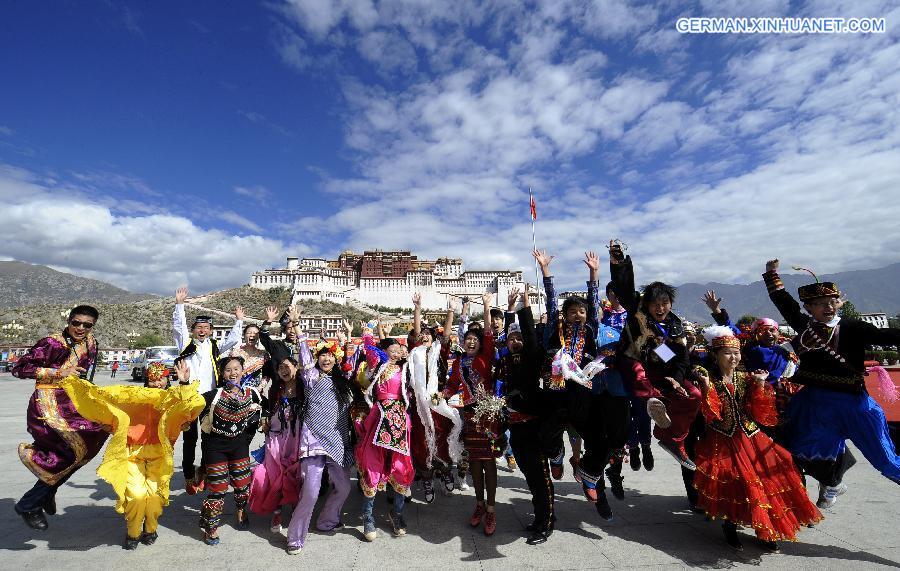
(68, 228)
(258, 193)
(6, 131)
(769, 146)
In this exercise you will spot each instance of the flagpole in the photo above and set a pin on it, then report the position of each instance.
(537, 280)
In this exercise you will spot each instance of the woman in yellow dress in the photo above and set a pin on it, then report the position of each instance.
(145, 422)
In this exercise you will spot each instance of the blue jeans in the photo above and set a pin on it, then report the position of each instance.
(369, 506)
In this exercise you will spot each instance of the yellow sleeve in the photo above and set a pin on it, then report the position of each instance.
(96, 404)
(180, 405)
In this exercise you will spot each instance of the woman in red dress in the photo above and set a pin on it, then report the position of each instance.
(742, 476)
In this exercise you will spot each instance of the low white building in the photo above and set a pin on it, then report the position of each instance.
(387, 279)
(879, 320)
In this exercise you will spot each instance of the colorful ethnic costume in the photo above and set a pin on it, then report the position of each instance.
(600, 418)
(649, 352)
(383, 449)
(201, 357)
(324, 443)
(742, 476)
(383, 446)
(138, 462)
(436, 425)
(471, 377)
(226, 452)
(834, 405)
(63, 439)
(521, 372)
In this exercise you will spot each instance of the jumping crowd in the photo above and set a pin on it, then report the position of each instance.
(748, 414)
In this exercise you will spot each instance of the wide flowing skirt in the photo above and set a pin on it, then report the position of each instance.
(751, 481)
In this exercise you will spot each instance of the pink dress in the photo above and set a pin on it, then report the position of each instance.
(383, 451)
(276, 482)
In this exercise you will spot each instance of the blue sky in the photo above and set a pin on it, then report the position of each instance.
(154, 145)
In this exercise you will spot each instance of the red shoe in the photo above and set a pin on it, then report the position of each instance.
(490, 523)
(193, 487)
(556, 470)
(574, 462)
(475, 520)
(589, 493)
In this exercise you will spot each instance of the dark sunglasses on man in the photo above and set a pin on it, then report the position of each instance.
(86, 324)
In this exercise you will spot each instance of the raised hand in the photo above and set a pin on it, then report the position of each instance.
(616, 255)
(526, 297)
(453, 304)
(512, 298)
(486, 299)
(542, 258)
(772, 265)
(239, 313)
(294, 314)
(417, 299)
(348, 328)
(271, 313)
(181, 295)
(711, 301)
(700, 373)
(183, 371)
(592, 260)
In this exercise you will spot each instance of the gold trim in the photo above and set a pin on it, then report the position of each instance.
(48, 409)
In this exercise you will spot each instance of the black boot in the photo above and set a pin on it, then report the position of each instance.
(647, 452)
(35, 520)
(634, 453)
(614, 474)
(149, 538)
(542, 534)
(603, 507)
(731, 536)
(50, 504)
(131, 543)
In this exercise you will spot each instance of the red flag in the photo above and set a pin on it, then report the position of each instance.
(533, 206)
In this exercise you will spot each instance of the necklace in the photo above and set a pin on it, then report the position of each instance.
(822, 344)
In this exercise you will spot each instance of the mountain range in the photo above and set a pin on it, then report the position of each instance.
(871, 291)
(23, 285)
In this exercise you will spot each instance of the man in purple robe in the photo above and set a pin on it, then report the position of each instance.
(63, 440)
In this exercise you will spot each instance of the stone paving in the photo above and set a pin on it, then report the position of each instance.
(652, 527)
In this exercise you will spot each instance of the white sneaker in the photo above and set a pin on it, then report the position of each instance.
(294, 550)
(828, 495)
(461, 483)
(275, 525)
(657, 411)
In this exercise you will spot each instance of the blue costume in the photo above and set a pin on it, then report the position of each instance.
(834, 405)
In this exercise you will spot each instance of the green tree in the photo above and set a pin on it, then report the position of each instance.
(849, 310)
(894, 322)
(746, 321)
(148, 339)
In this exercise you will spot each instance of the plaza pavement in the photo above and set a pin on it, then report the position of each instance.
(652, 527)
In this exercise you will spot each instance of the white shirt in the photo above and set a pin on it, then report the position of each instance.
(201, 363)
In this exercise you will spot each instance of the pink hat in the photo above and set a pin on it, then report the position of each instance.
(764, 322)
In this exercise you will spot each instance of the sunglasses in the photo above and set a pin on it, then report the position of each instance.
(85, 324)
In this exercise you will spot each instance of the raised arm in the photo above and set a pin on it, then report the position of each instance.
(417, 314)
(785, 303)
(237, 331)
(718, 312)
(592, 261)
(463, 325)
(180, 331)
(622, 274)
(448, 321)
(487, 343)
(543, 261)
